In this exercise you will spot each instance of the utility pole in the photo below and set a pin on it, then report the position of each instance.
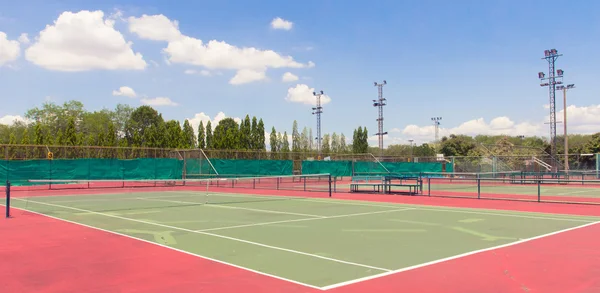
(317, 111)
(564, 89)
(436, 124)
(379, 103)
(551, 56)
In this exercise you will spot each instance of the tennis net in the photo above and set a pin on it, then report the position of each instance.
(60, 196)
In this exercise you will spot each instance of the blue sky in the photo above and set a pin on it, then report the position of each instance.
(474, 63)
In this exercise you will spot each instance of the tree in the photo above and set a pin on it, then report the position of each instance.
(38, 137)
(174, 135)
(457, 145)
(260, 136)
(226, 136)
(254, 134)
(140, 120)
(209, 136)
(295, 138)
(285, 146)
(71, 133)
(59, 139)
(273, 141)
(111, 135)
(189, 138)
(246, 134)
(356, 140)
(101, 140)
(335, 143)
(305, 140)
(201, 136)
(326, 147)
(311, 140)
(342, 147)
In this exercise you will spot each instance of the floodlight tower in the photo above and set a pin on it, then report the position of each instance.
(554, 78)
(564, 89)
(317, 111)
(436, 124)
(379, 103)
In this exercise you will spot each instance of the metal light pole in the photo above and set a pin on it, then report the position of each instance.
(564, 89)
(436, 124)
(379, 103)
(317, 111)
(551, 56)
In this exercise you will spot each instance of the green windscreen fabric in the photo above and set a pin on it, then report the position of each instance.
(18, 172)
(245, 168)
(335, 168)
(345, 168)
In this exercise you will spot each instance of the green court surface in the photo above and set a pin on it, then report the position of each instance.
(318, 242)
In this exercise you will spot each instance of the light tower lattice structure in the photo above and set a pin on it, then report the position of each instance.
(554, 78)
(436, 125)
(379, 103)
(318, 110)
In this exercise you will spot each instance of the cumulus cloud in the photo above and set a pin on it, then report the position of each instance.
(202, 72)
(246, 61)
(195, 121)
(289, 77)
(124, 91)
(9, 49)
(24, 39)
(158, 101)
(279, 23)
(247, 76)
(11, 119)
(302, 93)
(81, 41)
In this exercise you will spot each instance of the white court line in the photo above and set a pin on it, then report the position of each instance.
(453, 257)
(173, 248)
(232, 207)
(310, 219)
(219, 236)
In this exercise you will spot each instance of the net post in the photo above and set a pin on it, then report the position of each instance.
(428, 186)
(539, 187)
(478, 187)
(7, 199)
(329, 185)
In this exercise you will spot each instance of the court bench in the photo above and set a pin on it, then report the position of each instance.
(375, 182)
(414, 183)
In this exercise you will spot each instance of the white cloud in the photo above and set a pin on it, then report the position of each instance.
(125, 91)
(289, 77)
(202, 72)
(195, 121)
(247, 76)
(83, 41)
(281, 24)
(302, 93)
(9, 50)
(158, 101)
(212, 54)
(155, 27)
(24, 39)
(10, 119)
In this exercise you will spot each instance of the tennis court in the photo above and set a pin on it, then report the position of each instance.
(289, 228)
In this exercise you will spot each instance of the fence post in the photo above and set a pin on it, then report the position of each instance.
(7, 199)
